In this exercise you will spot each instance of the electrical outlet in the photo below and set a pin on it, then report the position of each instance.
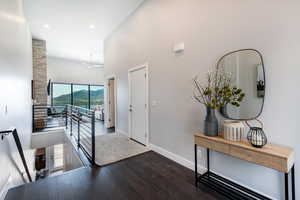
(200, 152)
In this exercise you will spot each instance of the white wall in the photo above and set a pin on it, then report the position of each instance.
(210, 28)
(15, 86)
(69, 71)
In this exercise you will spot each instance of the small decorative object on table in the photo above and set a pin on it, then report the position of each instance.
(233, 130)
(215, 93)
(256, 136)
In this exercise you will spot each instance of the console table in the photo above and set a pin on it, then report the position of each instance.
(277, 157)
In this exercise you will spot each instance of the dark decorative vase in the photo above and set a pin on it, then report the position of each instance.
(211, 124)
(224, 112)
(257, 137)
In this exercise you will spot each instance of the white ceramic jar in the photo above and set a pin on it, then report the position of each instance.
(233, 130)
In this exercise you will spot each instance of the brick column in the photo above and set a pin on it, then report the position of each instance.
(39, 54)
(40, 81)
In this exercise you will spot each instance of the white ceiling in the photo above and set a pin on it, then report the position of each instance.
(68, 34)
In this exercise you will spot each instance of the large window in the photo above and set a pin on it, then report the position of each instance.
(61, 96)
(96, 96)
(85, 96)
(81, 96)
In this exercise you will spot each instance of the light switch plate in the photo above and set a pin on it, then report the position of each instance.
(154, 103)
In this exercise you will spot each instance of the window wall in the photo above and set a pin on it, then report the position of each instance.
(61, 96)
(83, 95)
(96, 96)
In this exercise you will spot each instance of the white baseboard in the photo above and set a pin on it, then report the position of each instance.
(119, 131)
(179, 159)
(191, 165)
(5, 188)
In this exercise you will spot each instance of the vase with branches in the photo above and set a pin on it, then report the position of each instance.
(215, 93)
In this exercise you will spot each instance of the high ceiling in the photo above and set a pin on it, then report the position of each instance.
(76, 29)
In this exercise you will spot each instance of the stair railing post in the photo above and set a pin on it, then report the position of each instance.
(93, 137)
(78, 128)
(71, 121)
(66, 117)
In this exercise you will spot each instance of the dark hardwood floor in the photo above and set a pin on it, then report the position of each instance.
(146, 176)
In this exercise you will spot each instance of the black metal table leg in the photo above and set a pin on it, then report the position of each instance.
(224, 186)
(208, 165)
(293, 183)
(286, 180)
(287, 189)
(196, 167)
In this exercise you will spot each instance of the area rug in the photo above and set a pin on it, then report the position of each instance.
(111, 148)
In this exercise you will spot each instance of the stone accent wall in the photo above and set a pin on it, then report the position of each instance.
(40, 82)
(39, 53)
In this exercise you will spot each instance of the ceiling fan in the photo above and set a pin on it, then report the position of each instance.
(92, 63)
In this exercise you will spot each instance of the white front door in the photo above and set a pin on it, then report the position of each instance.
(138, 105)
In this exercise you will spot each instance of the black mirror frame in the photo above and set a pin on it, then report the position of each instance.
(222, 110)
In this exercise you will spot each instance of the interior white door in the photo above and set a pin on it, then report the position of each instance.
(138, 106)
(111, 102)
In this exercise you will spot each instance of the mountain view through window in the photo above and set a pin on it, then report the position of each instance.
(83, 95)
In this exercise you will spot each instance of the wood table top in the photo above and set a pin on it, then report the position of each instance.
(271, 149)
(274, 156)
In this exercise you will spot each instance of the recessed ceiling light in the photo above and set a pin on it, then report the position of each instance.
(92, 26)
(46, 26)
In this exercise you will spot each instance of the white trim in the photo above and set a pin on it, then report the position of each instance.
(146, 67)
(5, 188)
(179, 159)
(139, 67)
(191, 165)
(107, 78)
(119, 131)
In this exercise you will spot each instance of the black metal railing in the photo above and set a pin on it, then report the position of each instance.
(80, 124)
(15, 134)
(45, 117)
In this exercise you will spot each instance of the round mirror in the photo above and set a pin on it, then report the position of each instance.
(246, 68)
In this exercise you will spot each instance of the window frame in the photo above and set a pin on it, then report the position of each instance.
(72, 85)
(59, 83)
